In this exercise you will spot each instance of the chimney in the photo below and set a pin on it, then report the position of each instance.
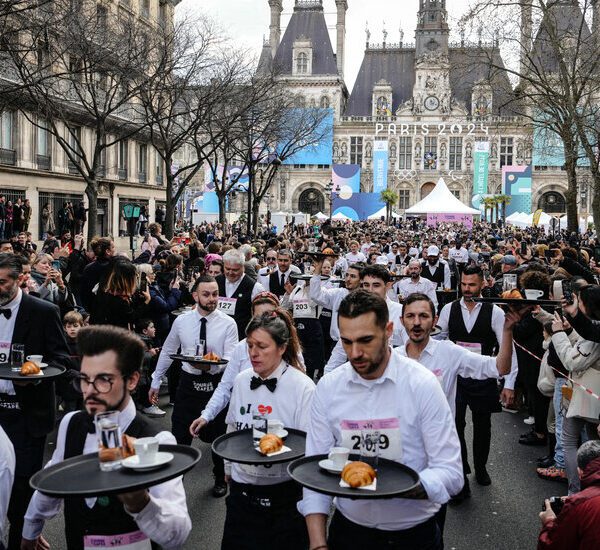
(275, 26)
(342, 8)
(526, 35)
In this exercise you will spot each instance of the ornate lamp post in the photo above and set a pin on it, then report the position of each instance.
(329, 192)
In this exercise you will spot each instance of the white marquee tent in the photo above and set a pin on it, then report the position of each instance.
(320, 216)
(441, 201)
(382, 213)
(340, 216)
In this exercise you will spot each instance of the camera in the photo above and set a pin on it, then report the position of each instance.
(556, 503)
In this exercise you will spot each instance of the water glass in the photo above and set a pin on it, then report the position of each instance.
(260, 427)
(369, 447)
(200, 348)
(109, 440)
(17, 357)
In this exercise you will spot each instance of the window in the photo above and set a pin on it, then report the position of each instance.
(430, 153)
(302, 63)
(159, 167)
(162, 14)
(506, 151)
(6, 132)
(455, 160)
(74, 139)
(122, 159)
(356, 150)
(404, 198)
(405, 156)
(101, 19)
(142, 156)
(325, 102)
(456, 193)
(42, 138)
(145, 8)
(43, 54)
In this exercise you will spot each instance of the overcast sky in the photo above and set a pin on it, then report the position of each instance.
(248, 21)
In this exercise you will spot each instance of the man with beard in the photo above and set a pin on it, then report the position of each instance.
(416, 283)
(479, 328)
(436, 270)
(110, 371)
(446, 359)
(202, 330)
(404, 402)
(27, 410)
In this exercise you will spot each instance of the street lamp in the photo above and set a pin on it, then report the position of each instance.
(329, 191)
(268, 197)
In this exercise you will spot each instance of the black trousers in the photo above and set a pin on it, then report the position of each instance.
(173, 375)
(347, 535)
(264, 518)
(29, 455)
(193, 393)
(310, 333)
(482, 435)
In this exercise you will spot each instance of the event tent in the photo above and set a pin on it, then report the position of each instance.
(320, 216)
(441, 201)
(382, 213)
(340, 216)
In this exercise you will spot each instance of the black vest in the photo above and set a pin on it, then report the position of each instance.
(243, 306)
(275, 285)
(437, 277)
(481, 394)
(108, 516)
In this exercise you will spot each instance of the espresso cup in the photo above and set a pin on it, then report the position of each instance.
(339, 456)
(37, 359)
(533, 294)
(146, 449)
(275, 426)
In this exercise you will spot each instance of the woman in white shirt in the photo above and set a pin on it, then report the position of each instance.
(261, 506)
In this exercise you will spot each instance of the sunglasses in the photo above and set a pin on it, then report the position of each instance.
(271, 258)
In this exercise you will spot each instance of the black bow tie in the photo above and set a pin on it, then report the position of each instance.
(6, 312)
(256, 382)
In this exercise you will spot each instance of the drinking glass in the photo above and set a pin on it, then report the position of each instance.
(260, 427)
(109, 440)
(200, 348)
(369, 447)
(17, 357)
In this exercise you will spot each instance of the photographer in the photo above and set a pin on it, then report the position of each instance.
(577, 525)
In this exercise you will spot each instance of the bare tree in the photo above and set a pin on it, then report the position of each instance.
(82, 71)
(555, 63)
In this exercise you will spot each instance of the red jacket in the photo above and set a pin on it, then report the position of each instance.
(578, 524)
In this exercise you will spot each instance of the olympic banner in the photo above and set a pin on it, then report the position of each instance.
(380, 165)
(481, 164)
(516, 182)
(465, 219)
(345, 178)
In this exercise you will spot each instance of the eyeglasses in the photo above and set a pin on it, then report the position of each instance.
(102, 383)
(271, 258)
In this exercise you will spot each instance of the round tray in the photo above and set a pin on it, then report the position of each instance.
(516, 301)
(47, 373)
(197, 359)
(318, 255)
(435, 331)
(302, 277)
(81, 475)
(393, 479)
(181, 311)
(237, 447)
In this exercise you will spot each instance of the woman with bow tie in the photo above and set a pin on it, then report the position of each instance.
(261, 507)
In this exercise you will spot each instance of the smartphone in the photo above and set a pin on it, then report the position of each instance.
(567, 291)
(556, 503)
(523, 248)
(486, 274)
(56, 265)
(143, 282)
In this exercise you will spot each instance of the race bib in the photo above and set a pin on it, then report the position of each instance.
(128, 541)
(439, 375)
(390, 441)
(227, 305)
(475, 347)
(4, 352)
(304, 309)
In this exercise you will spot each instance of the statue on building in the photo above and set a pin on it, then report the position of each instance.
(469, 150)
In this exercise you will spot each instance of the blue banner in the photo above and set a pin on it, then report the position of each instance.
(315, 151)
(516, 182)
(380, 165)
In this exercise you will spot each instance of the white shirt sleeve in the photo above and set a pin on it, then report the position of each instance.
(257, 289)
(498, 328)
(447, 281)
(444, 319)
(474, 365)
(338, 358)
(7, 474)
(323, 296)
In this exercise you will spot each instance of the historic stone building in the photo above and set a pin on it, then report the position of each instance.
(431, 99)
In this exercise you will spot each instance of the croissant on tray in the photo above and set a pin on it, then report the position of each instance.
(270, 443)
(29, 368)
(358, 474)
(513, 294)
(211, 356)
(127, 445)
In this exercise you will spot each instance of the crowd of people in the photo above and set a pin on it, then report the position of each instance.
(329, 327)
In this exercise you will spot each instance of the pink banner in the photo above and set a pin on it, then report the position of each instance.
(465, 219)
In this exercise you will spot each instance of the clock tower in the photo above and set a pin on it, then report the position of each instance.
(432, 29)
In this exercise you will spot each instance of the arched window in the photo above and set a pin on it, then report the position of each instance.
(302, 63)
(426, 189)
(311, 201)
(325, 102)
(552, 203)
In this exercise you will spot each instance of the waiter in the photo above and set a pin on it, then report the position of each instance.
(197, 382)
(416, 283)
(110, 371)
(477, 327)
(276, 281)
(404, 402)
(436, 270)
(236, 291)
(27, 410)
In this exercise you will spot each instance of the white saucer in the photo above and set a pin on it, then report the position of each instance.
(282, 433)
(42, 365)
(327, 464)
(160, 459)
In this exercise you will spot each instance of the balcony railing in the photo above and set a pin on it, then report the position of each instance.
(43, 162)
(142, 177)
(8, 156)
(73, 168)
(122, 173)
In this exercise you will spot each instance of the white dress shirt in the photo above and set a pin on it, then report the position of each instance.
(221, 338)
(330, 298)
(165, 519)
(352, 257)
(406, 287)
(440, 264)
(230, 288)
(470, 318)
(448, 360)
(420, 429)
(264, 280)
(7, 327)
(300, 303)
(290, 403)
(364, 248)
(460, 255)
(7, 475)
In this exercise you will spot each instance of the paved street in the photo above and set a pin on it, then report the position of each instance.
(500, 517)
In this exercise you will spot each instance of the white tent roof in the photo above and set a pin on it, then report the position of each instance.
(321, 216)
(340, 216)
(380, 213)
(514, 216)
(441, 201)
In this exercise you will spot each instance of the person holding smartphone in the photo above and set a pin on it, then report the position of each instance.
(51, 286)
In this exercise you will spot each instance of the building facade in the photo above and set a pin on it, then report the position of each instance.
(431, 99)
